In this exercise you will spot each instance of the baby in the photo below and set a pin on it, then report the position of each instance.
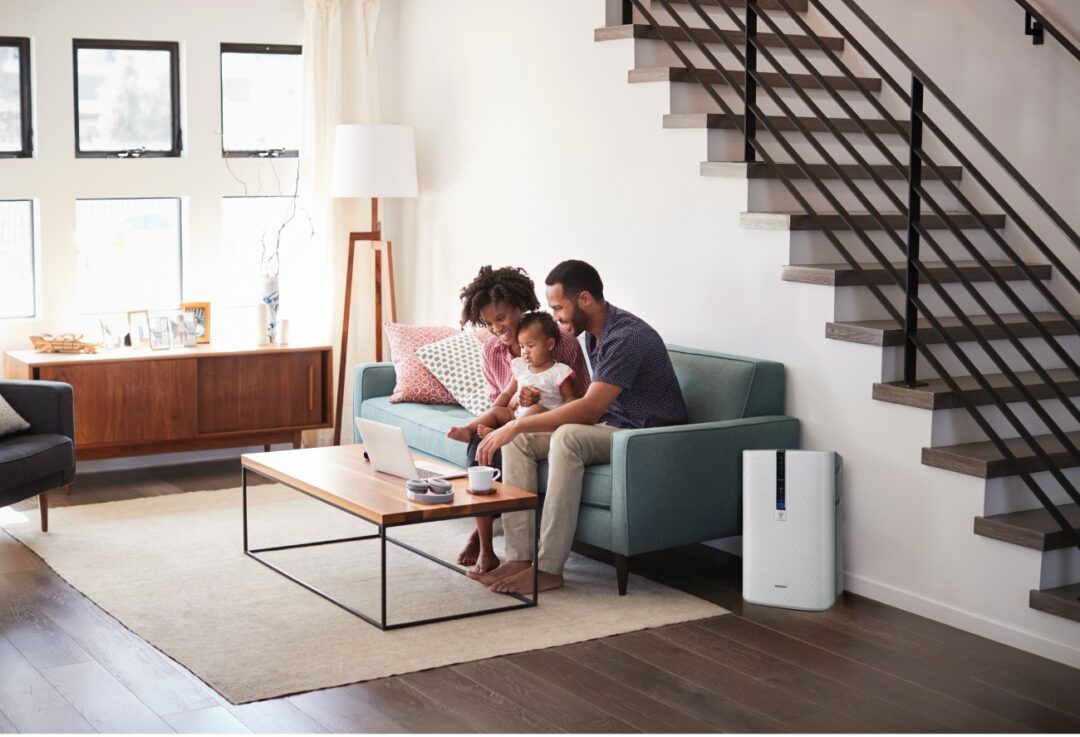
(537, 368)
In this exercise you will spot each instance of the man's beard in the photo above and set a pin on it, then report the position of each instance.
(578, 321)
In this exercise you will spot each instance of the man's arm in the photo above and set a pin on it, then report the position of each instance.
(585, 411)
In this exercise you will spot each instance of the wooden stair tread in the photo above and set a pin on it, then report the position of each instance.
(888, 333)
(895, 220)
(1031, 528)
(1063, 601)
(982, 459)
(761, 170)
(712, 76)
(799, 6)
(936, 395)
(719, 121)
(842, 275)
(706, 35)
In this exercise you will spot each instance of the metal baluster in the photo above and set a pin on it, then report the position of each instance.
(749, 119)
(911, 314)
(627, 12)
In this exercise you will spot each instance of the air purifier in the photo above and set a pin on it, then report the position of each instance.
(792, 538)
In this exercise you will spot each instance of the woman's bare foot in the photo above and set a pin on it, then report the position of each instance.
(509, 568)
(462, 434)
(522, 583)
(468, 554)
(487, 561)
(483, 430)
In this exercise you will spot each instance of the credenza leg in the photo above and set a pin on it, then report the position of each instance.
(43, 506)
(298, 440)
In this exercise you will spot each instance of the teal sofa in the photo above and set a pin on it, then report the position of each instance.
(665, 486)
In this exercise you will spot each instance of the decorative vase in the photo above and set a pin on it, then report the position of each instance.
(271, 297)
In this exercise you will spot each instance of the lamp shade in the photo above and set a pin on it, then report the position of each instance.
(374, 161)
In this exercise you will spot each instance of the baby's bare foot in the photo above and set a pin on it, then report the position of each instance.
(483, 430)
(459, 433)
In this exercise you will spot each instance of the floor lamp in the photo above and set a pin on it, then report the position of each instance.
(370, 161)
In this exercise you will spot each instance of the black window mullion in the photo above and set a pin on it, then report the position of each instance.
(176, 135)
(248, 48)
(25, 118)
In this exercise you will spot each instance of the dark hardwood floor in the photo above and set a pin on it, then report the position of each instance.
(66, 666)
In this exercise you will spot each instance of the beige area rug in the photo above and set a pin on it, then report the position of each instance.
(172, 570)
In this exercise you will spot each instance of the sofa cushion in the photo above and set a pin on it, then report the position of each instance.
(27, 458)
(595, 488)
(425, 425)
(718, 386)
(414, 382)
(10, 420)
(457, 362)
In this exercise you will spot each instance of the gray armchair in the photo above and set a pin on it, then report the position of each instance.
(42, 458)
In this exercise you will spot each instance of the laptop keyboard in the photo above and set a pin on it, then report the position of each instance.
(423, 473)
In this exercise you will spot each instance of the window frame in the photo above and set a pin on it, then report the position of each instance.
(34, 258)
(248, 48)
(173, 47)
(26, 119)
(181, 243)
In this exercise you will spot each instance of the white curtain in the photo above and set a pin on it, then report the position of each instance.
(340, 86)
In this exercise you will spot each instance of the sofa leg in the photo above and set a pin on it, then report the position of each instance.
(43, 507)
(622, 571)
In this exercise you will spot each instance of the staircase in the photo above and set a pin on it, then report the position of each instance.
(879, 203)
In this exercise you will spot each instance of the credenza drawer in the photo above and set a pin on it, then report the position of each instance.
(247, 392)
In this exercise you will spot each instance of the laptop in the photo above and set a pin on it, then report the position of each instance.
(389, 453)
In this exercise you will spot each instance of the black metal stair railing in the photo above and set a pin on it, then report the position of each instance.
(1036, 25)
(915, 271)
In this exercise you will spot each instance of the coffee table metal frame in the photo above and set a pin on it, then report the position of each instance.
(524, 601)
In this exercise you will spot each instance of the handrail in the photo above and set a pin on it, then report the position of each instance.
(915, 341)
(1035, 23)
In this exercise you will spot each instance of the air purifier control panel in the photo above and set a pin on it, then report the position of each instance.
(781, 491)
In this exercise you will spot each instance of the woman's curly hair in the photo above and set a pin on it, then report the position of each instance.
(509, 284)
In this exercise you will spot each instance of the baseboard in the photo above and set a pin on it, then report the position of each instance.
(1062, 652)
(169, 459)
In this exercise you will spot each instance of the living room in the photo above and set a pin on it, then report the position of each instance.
(236, 228)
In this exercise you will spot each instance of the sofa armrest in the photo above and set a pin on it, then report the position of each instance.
(680, 485)
(371, 380)
(46, 405)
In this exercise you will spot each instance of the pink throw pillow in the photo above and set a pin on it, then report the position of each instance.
(414, 382)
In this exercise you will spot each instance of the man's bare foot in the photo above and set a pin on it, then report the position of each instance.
(483, 430)
(487, 561)
(522, 583)
(509, 568)
(468, 554)
(463, 434)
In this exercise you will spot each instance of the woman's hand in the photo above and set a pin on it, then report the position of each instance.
(528, 396)
(495, 439)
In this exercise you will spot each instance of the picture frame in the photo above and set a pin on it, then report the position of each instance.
(114, 329)
(181, 329)
(139, 328)
(160, 330)
(201, 312)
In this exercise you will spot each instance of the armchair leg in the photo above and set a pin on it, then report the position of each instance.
(43, 507)
(622, 571)
(67, 489)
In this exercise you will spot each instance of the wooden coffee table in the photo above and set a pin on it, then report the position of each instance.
(341, 477)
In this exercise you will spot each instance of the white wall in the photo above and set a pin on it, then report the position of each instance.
(532, 148)
(56, 178)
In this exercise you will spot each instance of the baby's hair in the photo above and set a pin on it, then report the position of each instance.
(544, 320)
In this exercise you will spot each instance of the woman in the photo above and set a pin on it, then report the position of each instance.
(496, 299)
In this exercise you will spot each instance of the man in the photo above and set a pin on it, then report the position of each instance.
(633, 385)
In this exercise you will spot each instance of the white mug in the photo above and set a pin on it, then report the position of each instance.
(480, 477)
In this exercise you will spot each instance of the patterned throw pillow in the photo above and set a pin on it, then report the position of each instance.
(457, 362)
(10, 420)
(414, 382)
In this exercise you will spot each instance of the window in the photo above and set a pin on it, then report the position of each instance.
(127, 98)
(16, 138)
(260, 100)
(128, 254)
(250, 230)
(17, 283)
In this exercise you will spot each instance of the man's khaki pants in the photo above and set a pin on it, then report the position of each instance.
(567, 450)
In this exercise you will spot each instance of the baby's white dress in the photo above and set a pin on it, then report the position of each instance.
(548, 382)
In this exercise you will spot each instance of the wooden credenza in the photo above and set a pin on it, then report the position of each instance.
(135, 402)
